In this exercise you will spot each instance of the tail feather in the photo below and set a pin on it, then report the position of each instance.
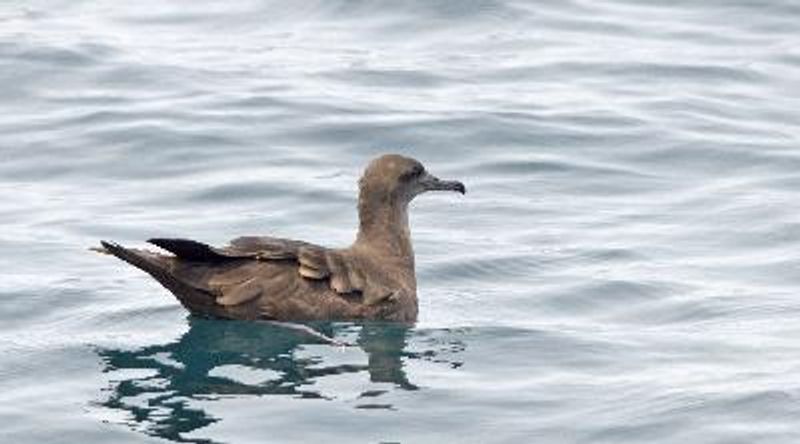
(196, 300)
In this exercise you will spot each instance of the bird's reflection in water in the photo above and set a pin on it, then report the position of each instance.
(151, 385)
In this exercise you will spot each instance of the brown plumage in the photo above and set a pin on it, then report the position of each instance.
(288, 280)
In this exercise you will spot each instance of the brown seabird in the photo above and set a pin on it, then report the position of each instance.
(288, 280)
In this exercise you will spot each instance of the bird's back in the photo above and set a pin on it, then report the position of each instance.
(250, 280)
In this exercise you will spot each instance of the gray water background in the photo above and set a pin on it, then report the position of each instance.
(624, 268)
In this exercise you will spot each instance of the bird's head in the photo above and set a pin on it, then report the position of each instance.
(393, 177)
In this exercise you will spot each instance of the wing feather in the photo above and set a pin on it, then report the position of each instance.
(343, 271)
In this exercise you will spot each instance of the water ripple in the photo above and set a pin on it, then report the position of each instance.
(622, 269)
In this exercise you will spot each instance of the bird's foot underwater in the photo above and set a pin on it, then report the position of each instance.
(310, 332)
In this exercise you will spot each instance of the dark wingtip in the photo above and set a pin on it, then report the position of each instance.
(167, 243)
(157, 241)
(189, 249)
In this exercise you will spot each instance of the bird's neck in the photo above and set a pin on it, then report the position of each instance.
(383, 229)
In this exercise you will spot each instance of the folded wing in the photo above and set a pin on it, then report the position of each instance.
(344, 272)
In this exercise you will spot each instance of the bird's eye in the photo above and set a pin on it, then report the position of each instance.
(414, 173)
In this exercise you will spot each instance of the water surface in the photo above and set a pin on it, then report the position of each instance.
(624, 268)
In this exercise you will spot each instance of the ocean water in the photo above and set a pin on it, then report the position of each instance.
(624, 268)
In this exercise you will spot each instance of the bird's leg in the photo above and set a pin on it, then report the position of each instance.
(308, 331)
